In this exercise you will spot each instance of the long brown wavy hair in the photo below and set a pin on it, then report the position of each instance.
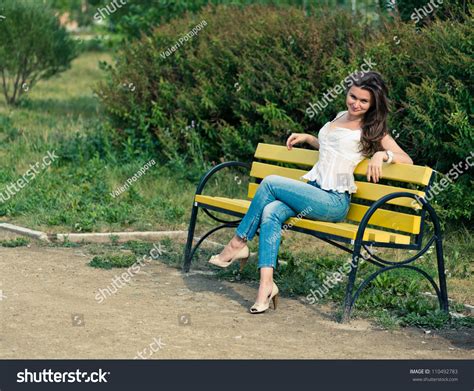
(374, 123)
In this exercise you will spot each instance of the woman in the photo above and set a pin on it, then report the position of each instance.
(343, 143)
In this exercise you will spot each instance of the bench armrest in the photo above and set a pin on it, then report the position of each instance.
(215, 169)
(383, 200)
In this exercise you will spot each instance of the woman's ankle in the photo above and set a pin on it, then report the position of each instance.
(237, 242)
(266, 275)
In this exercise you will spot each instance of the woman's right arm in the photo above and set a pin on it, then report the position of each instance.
(297, 138)
(313, 141)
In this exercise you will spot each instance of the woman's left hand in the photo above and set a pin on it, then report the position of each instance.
(374, 169)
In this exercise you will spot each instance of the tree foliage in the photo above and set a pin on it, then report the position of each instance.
(32, 46)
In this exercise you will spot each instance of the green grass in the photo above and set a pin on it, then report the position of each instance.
(73, 194)
(112, 260)
(117, 255)
(63, 104)
(17, 242)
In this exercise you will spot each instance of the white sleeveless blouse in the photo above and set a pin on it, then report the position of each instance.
(338, 158)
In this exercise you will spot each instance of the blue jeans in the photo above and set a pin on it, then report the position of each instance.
(279, 198)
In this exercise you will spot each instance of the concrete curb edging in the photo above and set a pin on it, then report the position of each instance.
(105, 237)
(467, 307)
(25, 231)
(101, 237)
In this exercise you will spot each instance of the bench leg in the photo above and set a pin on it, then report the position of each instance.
(187, 251)
(443, 299)
(350, 285)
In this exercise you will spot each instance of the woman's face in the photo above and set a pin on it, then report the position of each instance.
(358, 101)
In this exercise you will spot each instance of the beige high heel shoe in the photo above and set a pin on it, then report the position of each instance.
(273, 296)
(243, 255)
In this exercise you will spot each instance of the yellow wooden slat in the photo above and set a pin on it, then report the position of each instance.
(350, 231)
(345, 230)
(261, 170)
(278, 153)
(408, 173)
(365, 190)
(386, 218)
(375, 191)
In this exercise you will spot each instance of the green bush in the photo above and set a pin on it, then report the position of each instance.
(32, 46)
(142, 16)
(422, 12)
(249, 75)
(431, 86)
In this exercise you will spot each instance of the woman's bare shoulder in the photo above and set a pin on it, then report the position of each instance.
(341, 112)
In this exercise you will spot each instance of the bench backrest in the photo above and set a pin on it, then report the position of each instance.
(410, 178)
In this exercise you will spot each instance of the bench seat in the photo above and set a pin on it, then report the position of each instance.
(342, 229)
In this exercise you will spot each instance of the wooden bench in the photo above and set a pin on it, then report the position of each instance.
(396, 214)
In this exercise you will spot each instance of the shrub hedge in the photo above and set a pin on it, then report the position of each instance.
(250, 73)
(142, 16)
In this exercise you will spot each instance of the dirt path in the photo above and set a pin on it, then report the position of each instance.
(49, 310)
